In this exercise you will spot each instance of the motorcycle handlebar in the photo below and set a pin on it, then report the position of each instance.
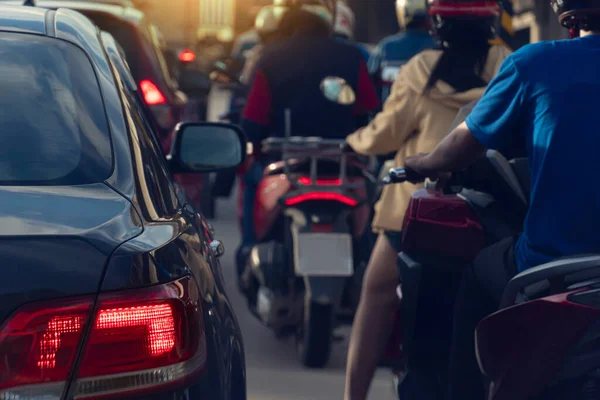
(401, 175)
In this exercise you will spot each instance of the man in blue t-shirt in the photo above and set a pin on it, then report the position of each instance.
(547, 94)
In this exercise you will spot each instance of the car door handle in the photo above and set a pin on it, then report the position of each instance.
(217, 248)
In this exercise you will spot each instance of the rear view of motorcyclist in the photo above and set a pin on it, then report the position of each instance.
(288, 77)
(428, 93)
(558, 118)
(397, 49)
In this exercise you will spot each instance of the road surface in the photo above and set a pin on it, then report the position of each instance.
(274, 372)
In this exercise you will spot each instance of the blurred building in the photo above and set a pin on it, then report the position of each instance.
(183, 22)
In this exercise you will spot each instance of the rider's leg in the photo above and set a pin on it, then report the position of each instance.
(478, 296)
(373, 322)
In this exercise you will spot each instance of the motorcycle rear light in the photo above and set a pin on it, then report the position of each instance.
(152, 95)
(38, 346)
(138, 340)
(319, 196)
(187, 56)
(305, 180)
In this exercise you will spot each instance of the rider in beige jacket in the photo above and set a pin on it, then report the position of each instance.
(425, 98)
(412, 122)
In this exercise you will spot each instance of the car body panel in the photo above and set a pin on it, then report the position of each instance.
(53, 245)
(131, 231)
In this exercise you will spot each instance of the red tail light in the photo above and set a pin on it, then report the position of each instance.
(138, 340)
(152, 95)
(328, 196)
(305, 180)
(187, 56)
(38, 346)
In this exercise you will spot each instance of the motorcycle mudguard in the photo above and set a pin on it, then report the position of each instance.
(324, 290)
(429, 286)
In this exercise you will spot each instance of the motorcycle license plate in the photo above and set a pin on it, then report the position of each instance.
(323, 254)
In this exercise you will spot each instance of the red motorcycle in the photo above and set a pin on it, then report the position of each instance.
(311, 210)
(541, 344)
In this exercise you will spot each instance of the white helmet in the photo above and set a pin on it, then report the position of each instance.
(407, 10)
(344, 20)
(268, 18)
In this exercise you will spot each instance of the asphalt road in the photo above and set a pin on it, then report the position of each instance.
(274, 372)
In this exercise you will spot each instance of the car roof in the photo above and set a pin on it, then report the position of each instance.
(63, 24)
(123, 9)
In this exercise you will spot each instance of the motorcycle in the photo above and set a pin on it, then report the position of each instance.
(312, 207)
(540, 344)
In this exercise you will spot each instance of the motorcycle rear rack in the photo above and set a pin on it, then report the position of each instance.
(313, 149)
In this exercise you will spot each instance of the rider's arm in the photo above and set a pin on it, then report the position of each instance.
(493, 122)
(366, 99)
(256, 118)
(391, 127)
(250, 65)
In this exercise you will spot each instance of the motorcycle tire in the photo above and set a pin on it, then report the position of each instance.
(315, 335)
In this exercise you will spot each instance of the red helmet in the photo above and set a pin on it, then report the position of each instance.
(447, 15)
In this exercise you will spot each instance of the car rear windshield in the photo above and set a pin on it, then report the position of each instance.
(53, 126)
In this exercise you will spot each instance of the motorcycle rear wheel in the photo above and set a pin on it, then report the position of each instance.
(315, 335)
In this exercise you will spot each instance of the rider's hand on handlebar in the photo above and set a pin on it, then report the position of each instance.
(417, 164)
(347, 148)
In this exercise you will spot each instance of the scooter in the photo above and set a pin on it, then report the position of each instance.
(443, 231)
(312, 207)
(541, 344)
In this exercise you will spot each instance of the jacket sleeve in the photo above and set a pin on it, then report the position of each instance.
(367, 99)
(250, 66)
(256, 119)
(390, 128)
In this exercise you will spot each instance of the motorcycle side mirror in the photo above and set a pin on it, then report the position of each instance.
(221, 73)
(337, 90)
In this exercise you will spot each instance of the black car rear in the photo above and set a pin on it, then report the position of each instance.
(108, 285)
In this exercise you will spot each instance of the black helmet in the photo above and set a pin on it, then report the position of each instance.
(445, 15)
(574, 14)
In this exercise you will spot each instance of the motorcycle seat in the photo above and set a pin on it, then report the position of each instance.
(551, 278)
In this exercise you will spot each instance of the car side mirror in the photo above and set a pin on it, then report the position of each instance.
(207, 147)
